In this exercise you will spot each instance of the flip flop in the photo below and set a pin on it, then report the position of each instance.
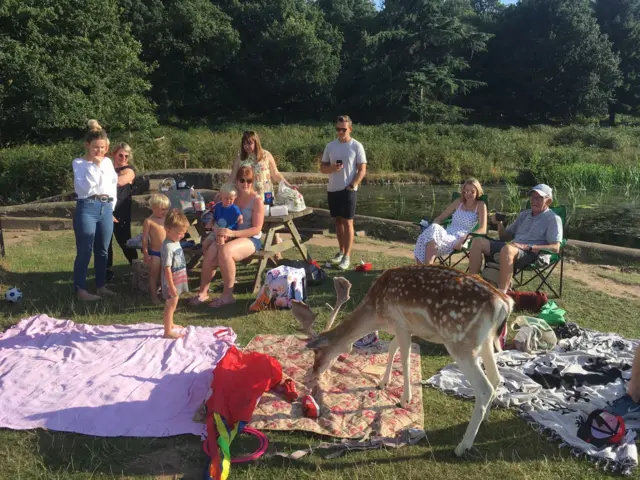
(219, 302)
(196, 301)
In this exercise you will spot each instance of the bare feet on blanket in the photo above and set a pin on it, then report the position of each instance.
(106, 292)
(222, 301)
(173, 335)
(87, 297)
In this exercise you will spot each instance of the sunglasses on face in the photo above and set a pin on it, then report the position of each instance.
(341, 130)
(246, 180)
(123, 155)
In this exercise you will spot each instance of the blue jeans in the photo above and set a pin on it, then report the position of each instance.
(93, 227)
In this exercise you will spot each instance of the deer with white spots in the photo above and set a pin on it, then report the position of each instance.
(441, 305)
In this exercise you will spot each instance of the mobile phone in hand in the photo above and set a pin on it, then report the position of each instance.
(338, 162)
(500, 217)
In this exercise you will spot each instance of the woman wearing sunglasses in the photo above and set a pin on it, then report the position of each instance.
(240, 244)
(122, 155)
(265, 170)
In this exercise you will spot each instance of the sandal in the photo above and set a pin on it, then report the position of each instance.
(197, 301)
(220, 302)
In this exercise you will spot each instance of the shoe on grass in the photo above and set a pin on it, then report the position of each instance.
(344, 263)
(337, 258)
(627, 409)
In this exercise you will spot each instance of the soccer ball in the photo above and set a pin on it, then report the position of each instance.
(14, 295)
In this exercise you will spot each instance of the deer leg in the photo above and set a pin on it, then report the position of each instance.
(483, 391)
(491, 370)
(404, 340)
(393, 348)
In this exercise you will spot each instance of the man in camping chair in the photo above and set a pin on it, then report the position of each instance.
(534, 230)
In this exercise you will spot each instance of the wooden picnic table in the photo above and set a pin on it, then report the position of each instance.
(272, 225)
(270, 248)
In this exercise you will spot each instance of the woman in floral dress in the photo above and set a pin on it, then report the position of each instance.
(265, 170)
(468, 210)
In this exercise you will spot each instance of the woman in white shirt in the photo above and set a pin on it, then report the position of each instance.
(96, 184)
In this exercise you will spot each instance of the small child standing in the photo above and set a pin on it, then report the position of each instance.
(174, 269)
(153, 234)
(225, 215)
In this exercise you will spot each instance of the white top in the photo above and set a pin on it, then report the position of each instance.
(352, 154)
(90, 179)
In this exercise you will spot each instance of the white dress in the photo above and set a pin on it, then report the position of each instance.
(461, 224)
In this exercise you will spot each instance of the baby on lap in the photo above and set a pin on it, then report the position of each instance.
(225, 215)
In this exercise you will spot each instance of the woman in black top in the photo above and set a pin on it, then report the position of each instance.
(122, 213)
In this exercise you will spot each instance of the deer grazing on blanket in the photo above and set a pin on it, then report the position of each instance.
(438, 304)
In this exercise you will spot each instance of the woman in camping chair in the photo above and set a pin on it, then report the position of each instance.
(468, 210)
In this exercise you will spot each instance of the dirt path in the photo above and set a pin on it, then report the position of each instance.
(576, 271)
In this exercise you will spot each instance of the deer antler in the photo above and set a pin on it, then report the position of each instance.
(305, 316)
(343, 287)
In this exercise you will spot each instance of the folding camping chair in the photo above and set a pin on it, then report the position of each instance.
(448, 261)
(542, 268)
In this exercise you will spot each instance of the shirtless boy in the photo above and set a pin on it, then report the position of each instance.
(153, 234)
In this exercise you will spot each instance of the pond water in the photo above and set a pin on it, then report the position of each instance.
(612, 218)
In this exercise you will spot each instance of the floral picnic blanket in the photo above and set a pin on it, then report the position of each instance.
(350, 404)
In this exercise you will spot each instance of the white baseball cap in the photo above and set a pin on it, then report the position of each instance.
(543, 190)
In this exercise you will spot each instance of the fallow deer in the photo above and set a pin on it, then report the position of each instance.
(438, 304)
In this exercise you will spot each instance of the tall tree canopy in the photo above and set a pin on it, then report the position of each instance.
(620, 20)
(415, 63)
(190, 42)
(289, 56)
(65, 61)
(549, 60)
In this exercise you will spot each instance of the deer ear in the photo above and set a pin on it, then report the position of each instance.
(317, 343)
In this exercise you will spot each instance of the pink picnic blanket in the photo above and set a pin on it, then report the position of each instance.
(106, 380)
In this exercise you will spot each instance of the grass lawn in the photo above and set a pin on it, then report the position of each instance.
(505, 446)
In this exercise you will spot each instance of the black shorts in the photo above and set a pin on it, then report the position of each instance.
(343, 203)
(524, 258)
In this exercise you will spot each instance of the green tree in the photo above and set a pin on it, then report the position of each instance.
(289, 56)
(64, 61)
(354, 19)
(620, 20)
(414, 63)
(191, 43)
(549, 61)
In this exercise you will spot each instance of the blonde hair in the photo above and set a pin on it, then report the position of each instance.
(95, 132)
(123, 146)
(475, 184)
(229, 189)
(251, 135)
(346, 119)
(159, 200)
(176, 218)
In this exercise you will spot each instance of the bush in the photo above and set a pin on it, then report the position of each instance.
(445, 153)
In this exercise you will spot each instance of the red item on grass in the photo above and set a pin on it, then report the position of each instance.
(364, 267)
(531, 301)
(310, 407)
